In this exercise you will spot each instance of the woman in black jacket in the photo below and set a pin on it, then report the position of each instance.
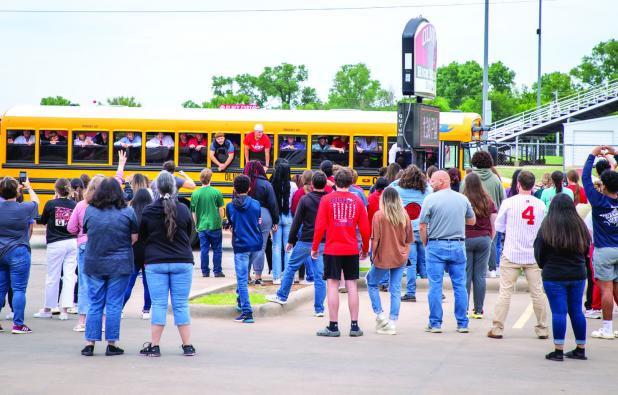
(560, 251)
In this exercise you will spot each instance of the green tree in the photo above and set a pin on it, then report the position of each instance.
(309, 95)
(601, 66)
(191, 104)
(55, 101)
(283, 82)
(554, 83)
(500, 77)
(440, 102)
(458, 82)
(354, 88)
(123, 101)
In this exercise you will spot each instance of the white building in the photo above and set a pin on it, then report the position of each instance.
(581, 136)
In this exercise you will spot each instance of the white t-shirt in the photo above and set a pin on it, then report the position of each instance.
(520, 218)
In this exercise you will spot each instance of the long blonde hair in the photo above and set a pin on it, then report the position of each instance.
(305, 178)
(392, 207)
(92, 186)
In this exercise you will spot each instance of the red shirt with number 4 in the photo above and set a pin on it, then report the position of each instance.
(519, 218)
(257, 145)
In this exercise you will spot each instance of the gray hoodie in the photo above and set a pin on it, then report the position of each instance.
(491, 183)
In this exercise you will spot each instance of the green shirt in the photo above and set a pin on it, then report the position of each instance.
(549, 193)
(205, 203)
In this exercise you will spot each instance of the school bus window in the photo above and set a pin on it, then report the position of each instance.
(159, 147)
(53, 146)
(224, 150)
(256, 147)
(368, 152)
(89, 146)
(451, 155)
(20, 146)
(397, 155)
(334, 149)
(192, 148)
(131, 144)
(293, 148)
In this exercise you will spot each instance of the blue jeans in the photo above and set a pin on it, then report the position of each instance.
(309, 269)
(566, 297)
(105, 293)
(173, 280)
(241, 266)
(301, 251)
(83, 302)
(373, 278)
(127, 294)
(417, 264)
(211, 239)
(14, 273)
(256, 258)
(451, 256)
(280, 238)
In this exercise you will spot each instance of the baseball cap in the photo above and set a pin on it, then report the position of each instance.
(258, 127)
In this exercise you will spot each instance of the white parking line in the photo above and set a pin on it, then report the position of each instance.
(525, 316)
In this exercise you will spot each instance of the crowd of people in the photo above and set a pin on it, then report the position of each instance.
(561, 235)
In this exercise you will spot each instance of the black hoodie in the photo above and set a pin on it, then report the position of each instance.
(306, 214)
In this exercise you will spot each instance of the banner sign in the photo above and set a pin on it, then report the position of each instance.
(419, 52)
(239, 106)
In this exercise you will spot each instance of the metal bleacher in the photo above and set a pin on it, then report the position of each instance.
(595, 102)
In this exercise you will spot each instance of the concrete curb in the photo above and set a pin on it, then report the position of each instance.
(269, 309)
(493, 284)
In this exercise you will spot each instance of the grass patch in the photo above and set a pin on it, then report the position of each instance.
(553, 160)
(506, 172)
(228, 299)
(363, 269)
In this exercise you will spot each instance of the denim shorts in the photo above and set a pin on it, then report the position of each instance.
(605, 262)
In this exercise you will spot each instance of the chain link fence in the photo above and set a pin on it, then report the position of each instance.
(542, 154)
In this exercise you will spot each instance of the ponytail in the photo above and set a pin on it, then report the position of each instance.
(167, 189)
(63, 187)
(557, 178)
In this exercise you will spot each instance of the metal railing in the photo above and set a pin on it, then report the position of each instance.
(554, 111)
(542, 154)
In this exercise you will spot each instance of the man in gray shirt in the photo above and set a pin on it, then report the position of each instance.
(443, 221)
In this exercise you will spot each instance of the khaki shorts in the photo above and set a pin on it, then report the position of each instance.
(605, 262)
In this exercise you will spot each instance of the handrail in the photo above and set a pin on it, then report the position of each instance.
(553, 110)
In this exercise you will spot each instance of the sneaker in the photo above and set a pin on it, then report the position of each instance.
(113, 350)
(389, 329)
(55, 311)
(72, 310)
(10, 316)
(238, 309)
(431, 329)
(492, 274)
(492, 335)
(383, 288)
(326, 332)
(21, 330)
(381, 322)
(43, 314)
(149, 350)
(576, 353)
(601, 334)
(219, 275)
(463, 329)
(63, 317)
(79, 328)
(318, 314)
(276, 299)
(258, 282)
(356, 332)
(276, 281)
(475, 315)
(205, 274)
(188, 350)
(88, 351)
(555, 356)
(306, 282)
(594, 314)
(145, 315)
(408, 298)
(245, 318)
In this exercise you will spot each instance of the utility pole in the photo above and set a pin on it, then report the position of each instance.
(486, 116)
(538, 80)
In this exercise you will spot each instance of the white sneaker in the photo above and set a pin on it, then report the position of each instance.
(145, 315)
(79, 328)
(381, 322)
(389, 329)
(42, 314)
(276, 299)
(63, 317)
(72, 310)
(276, 281)
(601, 334)
(55, 310)
(305, 282)
(492, 274)
(10, 316)
(318, 314)
(593, 314)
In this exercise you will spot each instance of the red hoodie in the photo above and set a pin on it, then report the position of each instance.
(374, 204)
(338, 215)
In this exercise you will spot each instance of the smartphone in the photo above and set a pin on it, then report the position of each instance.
(23, 176)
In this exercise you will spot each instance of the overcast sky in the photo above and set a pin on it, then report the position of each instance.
(165, 59)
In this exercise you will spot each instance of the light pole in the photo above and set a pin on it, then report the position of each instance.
(486, 116)
(538, 80)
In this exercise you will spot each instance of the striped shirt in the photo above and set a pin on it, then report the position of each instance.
(520, 218)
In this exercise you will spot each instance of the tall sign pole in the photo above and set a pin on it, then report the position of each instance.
(486, 110)
(538, 79)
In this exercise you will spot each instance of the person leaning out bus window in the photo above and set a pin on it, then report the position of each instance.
(160, 140)
(53, 138)
(197, 148)
(322, 145)
(367, 144)
(102, 138)
(290, 144)
(259, 144)
(25, 139)
(130, 140)
(221, 151)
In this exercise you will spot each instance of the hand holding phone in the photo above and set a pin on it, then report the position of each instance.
(23, 177)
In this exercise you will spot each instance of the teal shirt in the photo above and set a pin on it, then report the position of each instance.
(205, 203)
(549, 193)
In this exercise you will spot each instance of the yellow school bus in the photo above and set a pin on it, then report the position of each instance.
(49, 142)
